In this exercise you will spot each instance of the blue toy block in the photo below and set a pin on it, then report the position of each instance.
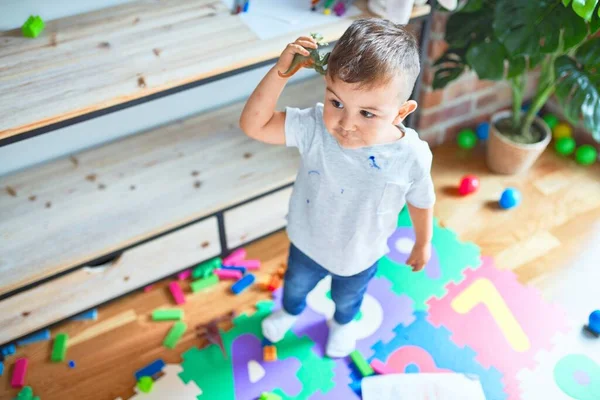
(88, 315)
(9, 350)
(246, 5)
(35, 337)
(242, 284)
(151, 369)
(241, 269)
(1, 368)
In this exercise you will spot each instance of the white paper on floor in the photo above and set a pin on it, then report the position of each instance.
(270, 18)
(170, 386)
(432, 386)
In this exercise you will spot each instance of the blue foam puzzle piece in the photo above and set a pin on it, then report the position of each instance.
(35, 337)
(151, 369)
(90, 314)
(446, 355)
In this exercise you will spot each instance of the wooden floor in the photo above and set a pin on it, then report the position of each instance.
(537, 240)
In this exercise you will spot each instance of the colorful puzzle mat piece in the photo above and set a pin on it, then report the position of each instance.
(571, 370)
(450, 257)
(298, 373)
(421, 347)
(169, 386)
(505, 322)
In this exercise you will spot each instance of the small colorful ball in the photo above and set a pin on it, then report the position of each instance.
(565, 146)
(562, 130)
(551, 120)
(467, 139)
(510, 198)
(586, 154)
(468, 184)
(483, 130)
(71, 364)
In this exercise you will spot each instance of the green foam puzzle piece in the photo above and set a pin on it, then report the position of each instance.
(213, 373)
(454, 257)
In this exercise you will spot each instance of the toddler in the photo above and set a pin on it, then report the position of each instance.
(360, 166)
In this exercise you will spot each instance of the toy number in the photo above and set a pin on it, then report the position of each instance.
(484, 291)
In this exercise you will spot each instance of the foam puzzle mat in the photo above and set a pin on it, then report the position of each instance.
(459, 314)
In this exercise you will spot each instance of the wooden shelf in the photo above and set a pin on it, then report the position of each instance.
(90, 62)
(67, 212)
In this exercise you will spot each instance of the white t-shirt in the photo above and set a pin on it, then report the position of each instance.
(345, 202)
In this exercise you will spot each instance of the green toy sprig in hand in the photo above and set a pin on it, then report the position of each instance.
(314, 60)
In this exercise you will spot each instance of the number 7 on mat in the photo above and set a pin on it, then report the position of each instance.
(484, 291)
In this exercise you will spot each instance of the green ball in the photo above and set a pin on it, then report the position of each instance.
(565, 146)
(467, 139)
(586, 154)
(551, 120)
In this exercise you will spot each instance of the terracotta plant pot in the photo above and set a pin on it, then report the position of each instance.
(507, 157)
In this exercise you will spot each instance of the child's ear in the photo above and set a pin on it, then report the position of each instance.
(405, 110)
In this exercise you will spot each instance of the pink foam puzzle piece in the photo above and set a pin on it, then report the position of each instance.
(399, 360)
(504, 322)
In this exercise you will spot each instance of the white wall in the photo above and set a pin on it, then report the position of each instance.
(122, 123)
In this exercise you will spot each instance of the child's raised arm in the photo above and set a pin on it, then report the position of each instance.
(259, 120)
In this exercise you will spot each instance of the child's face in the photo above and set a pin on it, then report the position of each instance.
(358, 117)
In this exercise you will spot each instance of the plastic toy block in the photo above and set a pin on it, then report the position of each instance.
(201, 284)
(236, 255)
(151, 369)
(177, 293)
(148, 288)
(33, 27)
(270, 353)
(205, 269)
(248, 264)
(35, 337)
(182, 276)
(88, 315)
(362, 364)
(165, 315)
(59, 350)
(1, 368)
(275, 283)
(19, 372)
(269, 396)
(9, 350)
(229, 267)
(228, 274)
(145, 384)
(175, 334)
(242, 284)
(25, 394)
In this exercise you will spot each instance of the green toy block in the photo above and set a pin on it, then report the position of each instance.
(25, 394)
(165, 315)
(33, 27)
(59, 349)
(204, 283)
(145, 384)
(361, 364)
(206, 269)
(269, 396)
(175, 334)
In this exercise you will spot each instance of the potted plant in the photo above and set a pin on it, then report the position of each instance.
(503, 40)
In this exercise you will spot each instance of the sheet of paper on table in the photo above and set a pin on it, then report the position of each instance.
(435, 386)
(271, 18)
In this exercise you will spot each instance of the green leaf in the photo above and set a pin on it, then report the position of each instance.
(575, 30)
(595, 22)
(530, 27)
(585, 8)
(578, 87)
(566, 2)
(472, 5)
(487, 59)
(516, 67)
(462, 29)
(449, 67)
(535, 60)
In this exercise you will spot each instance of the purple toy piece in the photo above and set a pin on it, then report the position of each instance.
(432, 269)
(248, 347)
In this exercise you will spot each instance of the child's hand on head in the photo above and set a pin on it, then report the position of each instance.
(419, 256)
(297, 47)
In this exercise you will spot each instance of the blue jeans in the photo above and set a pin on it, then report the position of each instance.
(303, 274)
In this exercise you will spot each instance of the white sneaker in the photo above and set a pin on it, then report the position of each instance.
(342, 339)
(276, 325)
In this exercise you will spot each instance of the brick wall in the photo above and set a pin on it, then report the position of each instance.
(463, 103)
